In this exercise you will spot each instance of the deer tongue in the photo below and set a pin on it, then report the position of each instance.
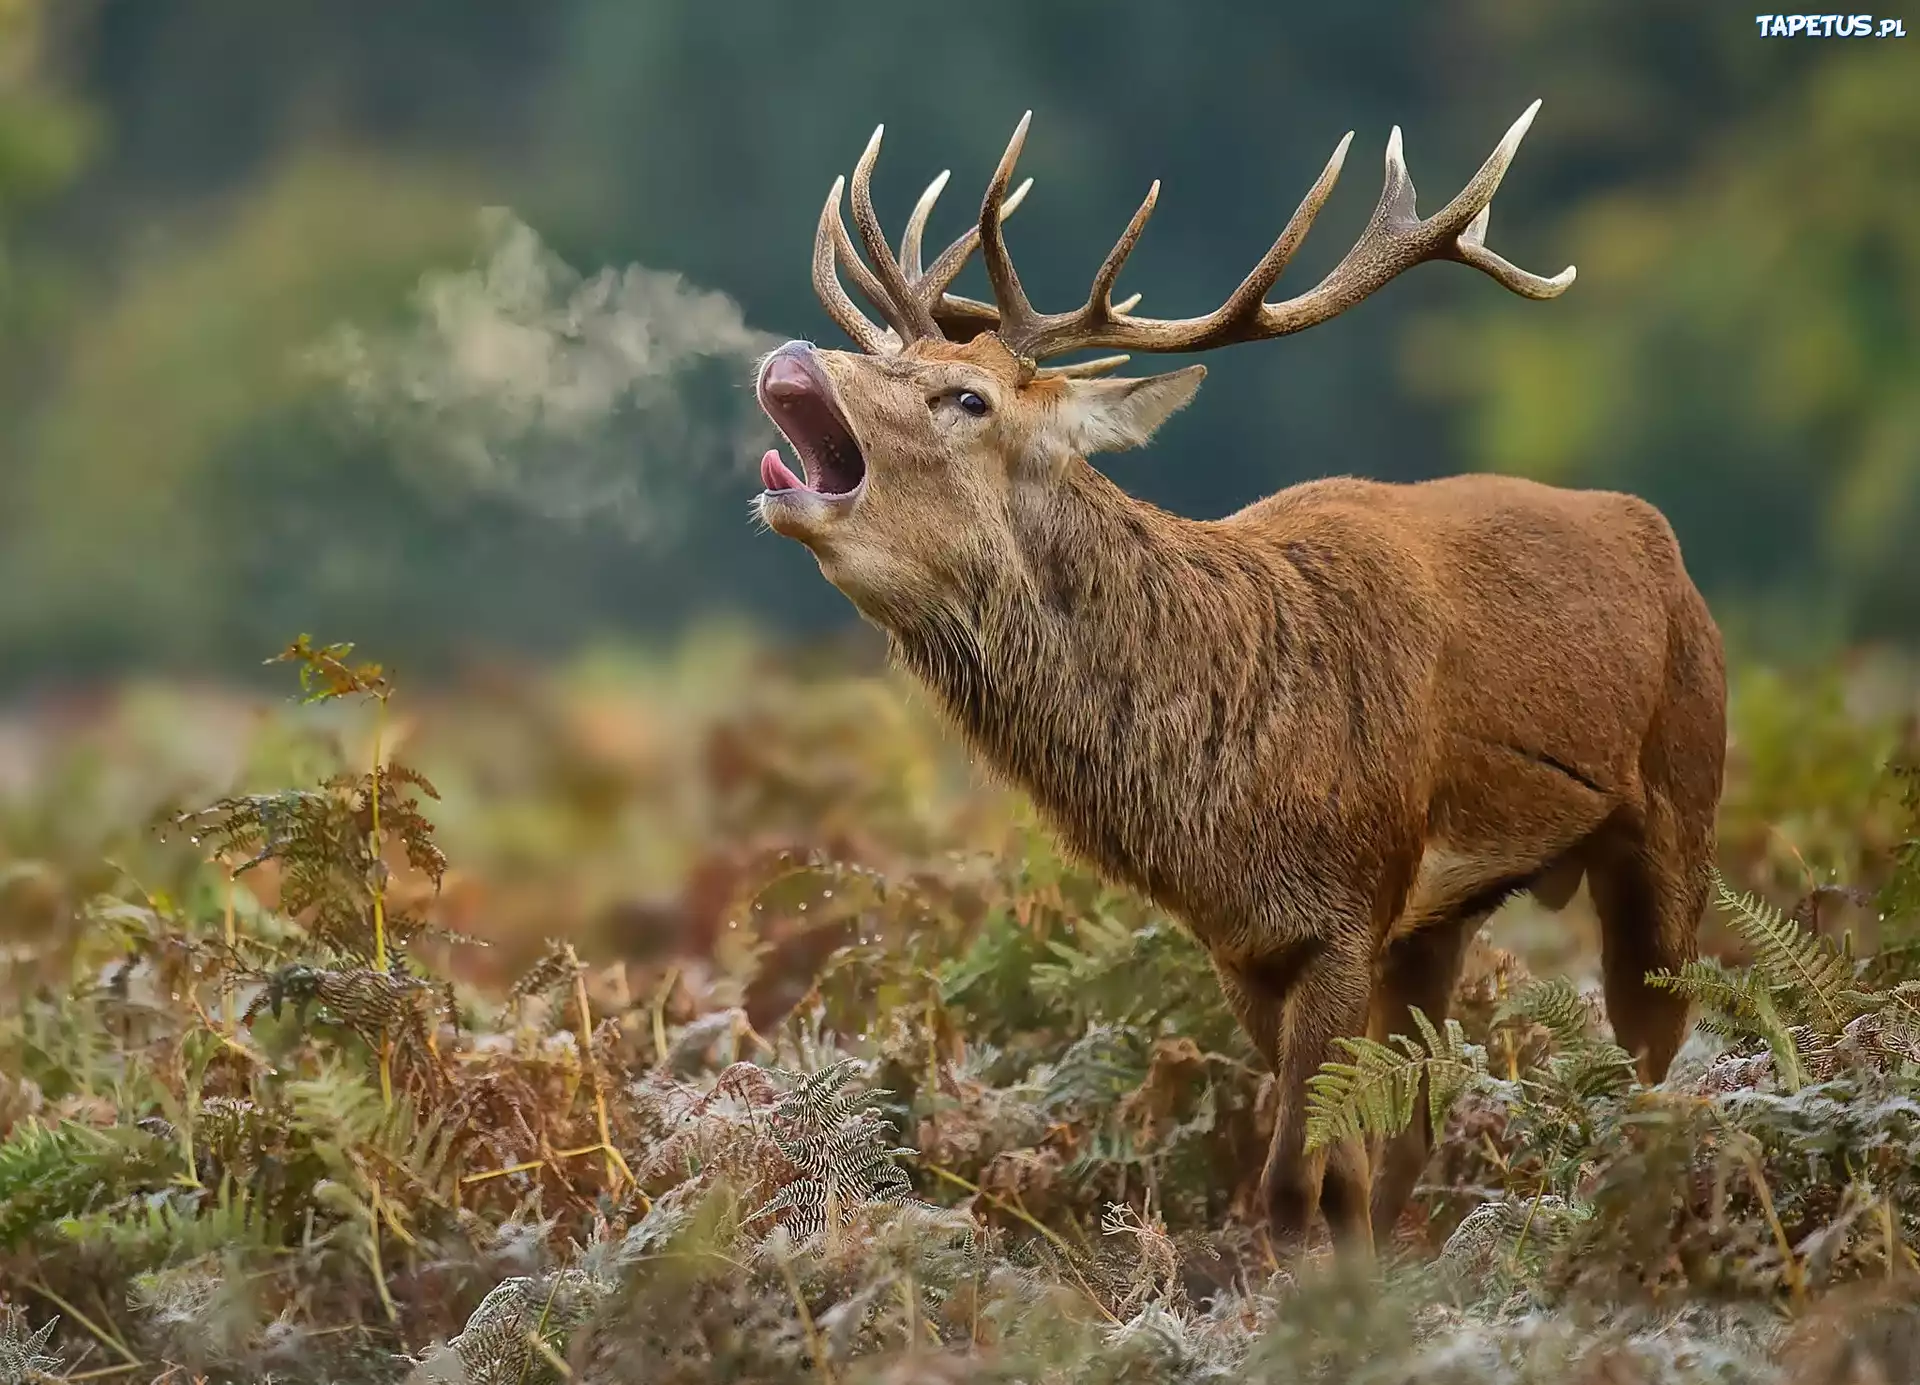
(775, 475)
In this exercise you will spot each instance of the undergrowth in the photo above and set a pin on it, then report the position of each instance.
(887, 1092)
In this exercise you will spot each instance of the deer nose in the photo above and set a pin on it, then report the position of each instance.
(786, 374)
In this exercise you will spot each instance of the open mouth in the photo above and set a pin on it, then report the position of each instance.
(796, 396)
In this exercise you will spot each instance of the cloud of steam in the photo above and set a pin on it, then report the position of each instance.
(573, 397)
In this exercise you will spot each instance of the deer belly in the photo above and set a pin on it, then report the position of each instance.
(1452, 877)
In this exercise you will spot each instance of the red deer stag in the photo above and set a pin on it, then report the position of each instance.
(1331, 732)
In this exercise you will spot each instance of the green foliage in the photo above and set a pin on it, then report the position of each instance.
(52, 1174)
(1694, 389)
(1900, 895)
(1376, 1094)
(916, 1099)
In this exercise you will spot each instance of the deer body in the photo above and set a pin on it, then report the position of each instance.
(1331, 732)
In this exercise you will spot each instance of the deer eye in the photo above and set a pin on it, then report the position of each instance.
(972, 403)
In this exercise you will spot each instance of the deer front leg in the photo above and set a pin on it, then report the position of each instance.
(1294, 1001)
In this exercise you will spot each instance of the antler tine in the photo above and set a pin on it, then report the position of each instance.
(1252, 293)
(904, 312)
(917, 226)
(1477, 195)
(1100, 297)
(871, 289)
(1085, 370)
(1097, 324)
(1018, 321)
(1473, 251)
(948, 263)
(962, 318)
(1470, 247)
(830, 244)
(1395, 239)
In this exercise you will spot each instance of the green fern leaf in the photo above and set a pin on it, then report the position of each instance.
(1809, 970)
(1372, 1096)
(1555, 1005)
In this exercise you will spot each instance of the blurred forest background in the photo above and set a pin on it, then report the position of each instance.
(268, 363)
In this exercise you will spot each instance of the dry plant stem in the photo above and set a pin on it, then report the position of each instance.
(537, 1338)
(373, 1261)
(102, 1335)
(379, 885)
(226, 978)
(818, 1347)
(933, 1038)
(523, 1167)
(380, 894)
(1512, 1043)
(103, 1372)
(1795, 1283)
(660, 1015)
(552, 1358)
(616, 1164)
(741, 1026)
(227, 1040)
(1897, 1251)
(1520, 1241)
(384, 1211)
(1060, 1242)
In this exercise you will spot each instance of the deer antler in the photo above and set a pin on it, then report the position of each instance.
(1395, 239)
(913, 300)
(916, 304)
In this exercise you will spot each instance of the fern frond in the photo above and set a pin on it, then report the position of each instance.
(1556, 1005)
(1098, 1069)
(1590, 1073)
(181, 1225)
(337, 1108)
(1372, 1096)
(23, 1352)
(1452, 1065)
(1708, 983)
(50, 1172)
(840, 1148)
(498, 1344)
(423, 1154)
(1810, 970)
(555, 967)
(1375, 1095)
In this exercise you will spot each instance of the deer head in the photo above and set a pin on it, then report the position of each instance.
(921, 455)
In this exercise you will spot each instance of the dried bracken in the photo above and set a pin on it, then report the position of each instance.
(1005, 1132)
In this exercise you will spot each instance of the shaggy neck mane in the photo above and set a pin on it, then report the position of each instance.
(1110, 667)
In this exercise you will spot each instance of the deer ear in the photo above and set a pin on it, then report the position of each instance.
(1109, 415)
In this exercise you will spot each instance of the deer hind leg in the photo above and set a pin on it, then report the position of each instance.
(1418, 972)
(1649, 871)
(1650, 866)
(1294, 1002)
(1649, 897)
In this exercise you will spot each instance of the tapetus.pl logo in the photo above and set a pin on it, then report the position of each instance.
(1829, 26)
